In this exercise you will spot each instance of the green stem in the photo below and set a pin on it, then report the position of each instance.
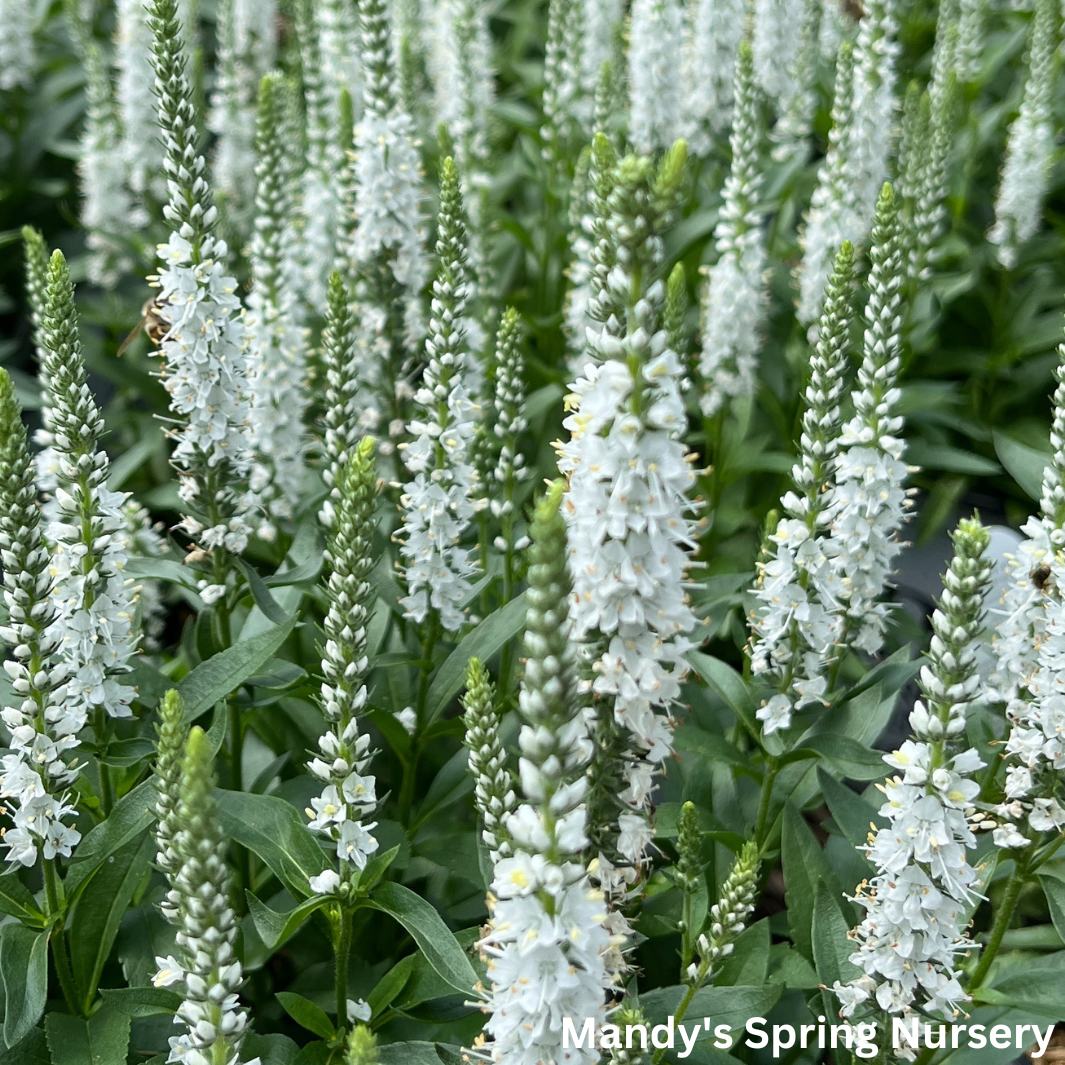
(1016, 882)
(57, 938)
(343, 954)
(236, 783)
(762, 823)
(101, 726)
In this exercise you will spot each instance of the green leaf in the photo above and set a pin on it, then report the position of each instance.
(390, 985)
(303, 573)
(951, 459)
(151, 685)
(483, 642)
(269, 1049)
(16, 900)
(831, 947)
(710, 747)
(408, 1054)
(385, 587)
(100, 909)
(435, 939)
(101, 1040)
(1032, 987)
(850, 811)
(274, 830)
(376, 868)
(277, 928)
(805, 865)
(853, 759)
(729, 686)
(261, 594)
(142, 1001)
(130, 816)
(1024, 464)
(1054, 890)
(733, 1006)
(24, 966)
(33, 1050)
(224, 672)
(307, 1014)
(162, 569)
(748, 963)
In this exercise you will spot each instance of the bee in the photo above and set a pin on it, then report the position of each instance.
(1039, 576)
(152, 322)
(855, 9)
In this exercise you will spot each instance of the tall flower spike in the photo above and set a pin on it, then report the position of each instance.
(35, 774)
(1026, 168)
(736, 299)
(387, 171)
(275, 333)
(1021, 628)
(870, 470)
(341, 388)
(775, 39)
(626, 504)
(797, 102)
(338, 37)
(169, 754)
(493, 784)
(460, 64)
(18, 53)
(36, 276)
(796, 621)
(844, 203)
(207, 968)
(245, 53)
(604, 308)
(832, 205)
(37, 298)
(204, 365)
(924, 883)
(93, 603)
(508, 427)
(728, 916)
(388, 244)
(544, 917)
(656, 92)
(1029, 643)
(713, 34)
(108, 212)
(970, 46)
(601, 26)
(437, 504)
(349, 794)
(323, 173)
(930, 192)
(565, 103)
(139, 147)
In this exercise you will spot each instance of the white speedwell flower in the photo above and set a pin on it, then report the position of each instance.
(349, 794)
(916, 906)
(626, 504)
(735, 304)
(35, 774)
(797, 620)
(656, 95)
(1030, 148)
(203, 351)
(93, 602)
(546, 943)
(438, 504)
